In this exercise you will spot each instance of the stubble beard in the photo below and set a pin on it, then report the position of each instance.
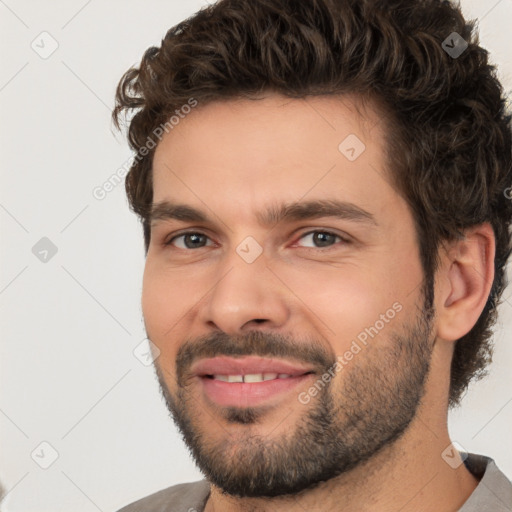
(380, 392)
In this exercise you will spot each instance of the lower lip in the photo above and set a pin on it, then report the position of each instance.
(250, 394)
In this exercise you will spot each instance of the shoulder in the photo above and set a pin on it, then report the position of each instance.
(494, 491)
(188, 497)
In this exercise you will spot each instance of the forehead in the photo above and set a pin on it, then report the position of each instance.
(238, 155)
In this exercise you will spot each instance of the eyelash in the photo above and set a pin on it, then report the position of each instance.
(343, 239)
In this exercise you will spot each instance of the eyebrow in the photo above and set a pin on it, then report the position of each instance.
(166, 210)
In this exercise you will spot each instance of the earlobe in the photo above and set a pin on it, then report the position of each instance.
(468, 275)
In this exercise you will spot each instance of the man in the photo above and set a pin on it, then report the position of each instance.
(322, 187)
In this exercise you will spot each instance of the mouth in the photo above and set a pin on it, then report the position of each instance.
(248, 366)
(253, 377)
(248, 381)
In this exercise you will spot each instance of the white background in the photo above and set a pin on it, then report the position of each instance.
(69, 326)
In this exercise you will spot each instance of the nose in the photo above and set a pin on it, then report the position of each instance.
(248, 296)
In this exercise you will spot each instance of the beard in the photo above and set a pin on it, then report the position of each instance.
(379, 393)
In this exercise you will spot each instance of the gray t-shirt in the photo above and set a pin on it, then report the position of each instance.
(493, 493)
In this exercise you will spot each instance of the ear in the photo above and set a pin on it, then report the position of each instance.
(464, 281)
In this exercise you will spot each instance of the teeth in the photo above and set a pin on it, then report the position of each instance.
(251, 377)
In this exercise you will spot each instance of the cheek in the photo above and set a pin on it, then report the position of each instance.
(162, 301)
(350, 305)
(171, 297)
(161, 309)
(343, 301)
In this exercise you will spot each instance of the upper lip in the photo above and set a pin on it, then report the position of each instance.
(246, 365)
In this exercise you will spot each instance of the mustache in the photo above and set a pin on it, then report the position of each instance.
(255, 343)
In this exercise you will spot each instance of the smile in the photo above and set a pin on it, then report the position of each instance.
(250, 377)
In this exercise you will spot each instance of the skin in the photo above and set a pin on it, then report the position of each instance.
(232, 160)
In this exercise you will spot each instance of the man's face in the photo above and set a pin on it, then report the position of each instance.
(299, 259)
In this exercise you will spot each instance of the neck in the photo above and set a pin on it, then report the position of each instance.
(409, 475)
(417, 480)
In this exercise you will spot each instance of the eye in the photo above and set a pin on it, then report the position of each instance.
(318, 239)
(190, 240)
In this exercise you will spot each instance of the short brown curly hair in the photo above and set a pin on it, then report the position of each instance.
(448, 131)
